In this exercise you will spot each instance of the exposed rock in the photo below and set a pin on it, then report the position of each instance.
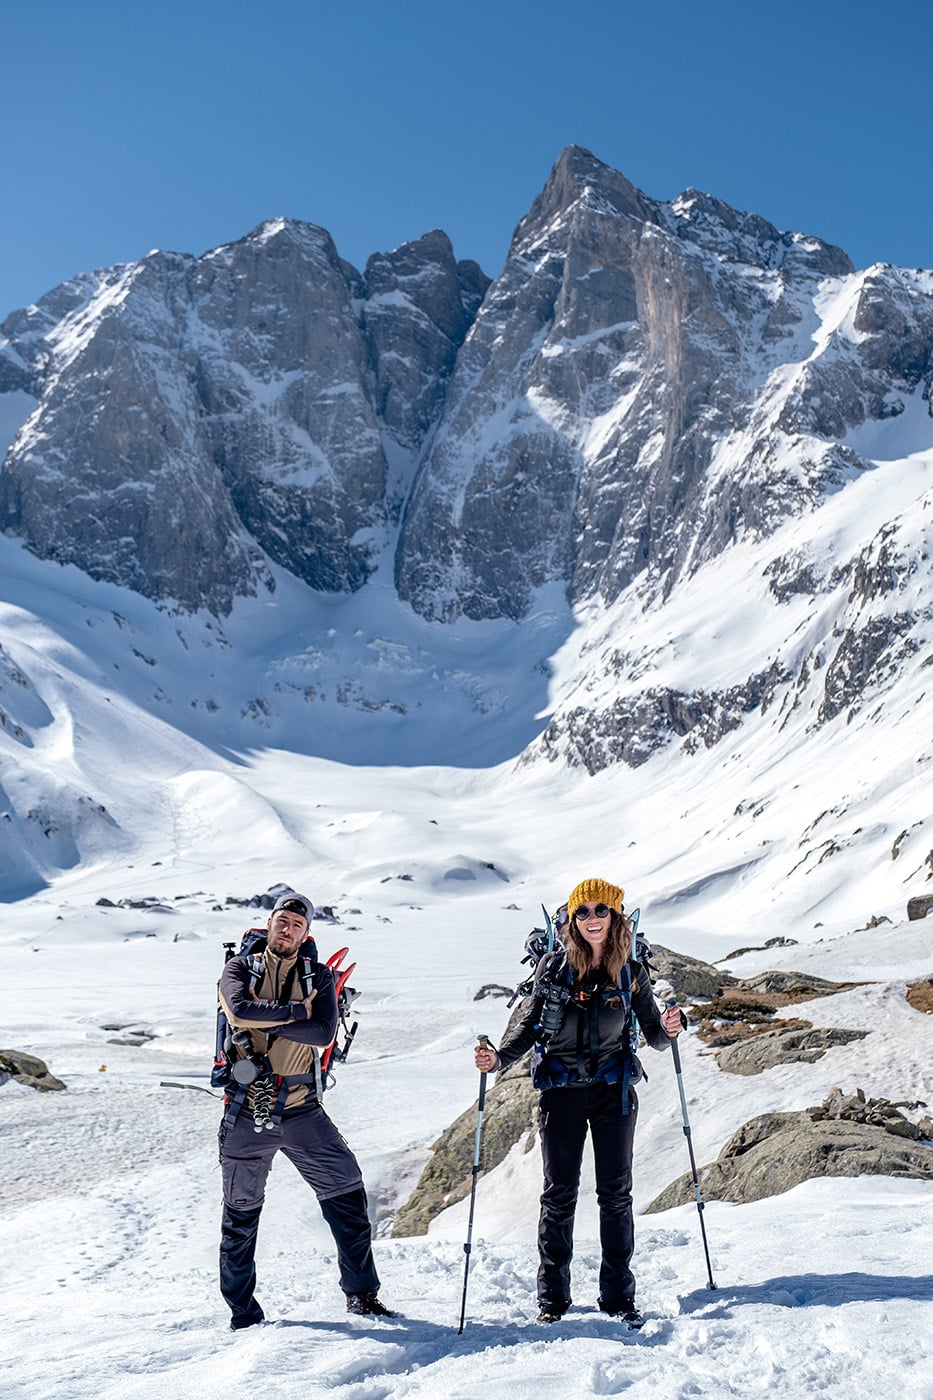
(509, 1114)
(920, 995)
(746, 1009)
(880, 1113)
(846, 1136)
(492, 989)
(634, 727)
(919, 906)
(689, 977)
(608, 289)
(779, 942)
(873, 649)
(28, 1070)
(209, 409)
(787, 988)
(756, 1053)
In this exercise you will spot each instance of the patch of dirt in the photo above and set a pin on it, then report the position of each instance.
(920, 995)
(744, 1010)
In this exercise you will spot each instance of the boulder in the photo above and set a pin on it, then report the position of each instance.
(848, 1135)
(28, 1070)
(689, 977)
(782, 1046)
(509, 1114)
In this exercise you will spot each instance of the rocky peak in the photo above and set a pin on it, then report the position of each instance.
(578, 177)
(749, 239)
(643, 385)
(419, 303)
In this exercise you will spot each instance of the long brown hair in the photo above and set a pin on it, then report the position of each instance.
(618, 947)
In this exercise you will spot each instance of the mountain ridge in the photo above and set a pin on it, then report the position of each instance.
(646, 498)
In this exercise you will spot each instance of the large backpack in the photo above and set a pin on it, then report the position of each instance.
(253, 947)
(545, 949)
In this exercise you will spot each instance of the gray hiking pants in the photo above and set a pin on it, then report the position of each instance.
(309, 1139)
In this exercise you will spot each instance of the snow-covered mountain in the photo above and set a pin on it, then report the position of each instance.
(664, 486)
(431, 598)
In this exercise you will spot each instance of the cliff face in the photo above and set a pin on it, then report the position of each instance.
(644, 384)
(195, 417)
(658, 411)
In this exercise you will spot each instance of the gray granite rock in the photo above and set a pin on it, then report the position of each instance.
(782, 1046)
(28, 1070)
(776, 1151)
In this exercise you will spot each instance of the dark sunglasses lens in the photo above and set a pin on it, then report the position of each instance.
(601, 910)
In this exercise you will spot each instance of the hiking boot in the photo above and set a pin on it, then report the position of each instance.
(544, 1316)
(367, 1305)
(625, 1309)
(242, 1320)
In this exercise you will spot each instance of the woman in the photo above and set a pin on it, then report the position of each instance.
(579, 1017)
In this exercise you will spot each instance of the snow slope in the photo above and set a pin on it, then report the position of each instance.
(151, 758)
(111, 1190)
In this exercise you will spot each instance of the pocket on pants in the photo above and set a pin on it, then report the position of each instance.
(244, 1183)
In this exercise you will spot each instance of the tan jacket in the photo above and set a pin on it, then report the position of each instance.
(274, 1014)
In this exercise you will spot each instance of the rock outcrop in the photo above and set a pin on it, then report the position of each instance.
(27, 1070)
(197, 417)
(848, 1135)
(508, 1116)
(783, 1046)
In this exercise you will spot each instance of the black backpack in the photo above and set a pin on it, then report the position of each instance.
(253, 946)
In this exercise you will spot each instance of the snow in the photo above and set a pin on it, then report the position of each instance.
(111, 1190)
(15, 409)
(133, 768)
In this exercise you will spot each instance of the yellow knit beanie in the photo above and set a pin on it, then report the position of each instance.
(596, 892)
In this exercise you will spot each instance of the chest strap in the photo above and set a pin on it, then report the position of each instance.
(282, 1083)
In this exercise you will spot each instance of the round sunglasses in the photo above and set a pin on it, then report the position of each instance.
(602, 911)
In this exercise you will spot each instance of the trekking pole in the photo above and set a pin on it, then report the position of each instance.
(484, 1042)
(693, 1166)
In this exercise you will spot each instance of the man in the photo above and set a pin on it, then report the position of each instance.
(281, 1006)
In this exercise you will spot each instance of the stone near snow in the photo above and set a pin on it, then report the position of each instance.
(27, 1070)
(776, 1151)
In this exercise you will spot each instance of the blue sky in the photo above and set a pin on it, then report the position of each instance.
(183, 125)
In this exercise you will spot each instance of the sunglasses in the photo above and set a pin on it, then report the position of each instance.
(295, 906)
(602, 911)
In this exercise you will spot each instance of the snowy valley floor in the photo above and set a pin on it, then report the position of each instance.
(111, 1191)
(111, 1207)
(821, 1292)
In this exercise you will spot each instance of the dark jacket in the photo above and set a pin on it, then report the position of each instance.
(594, 1039)
(278, 1022)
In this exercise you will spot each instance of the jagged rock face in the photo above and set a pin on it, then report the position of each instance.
(112, 470)
(624, 345)
(644, 384)
(417, 297)
(634, 727)
(196, 415)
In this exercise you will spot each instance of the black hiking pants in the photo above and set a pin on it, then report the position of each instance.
(309, 1139)
(564, 1115)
